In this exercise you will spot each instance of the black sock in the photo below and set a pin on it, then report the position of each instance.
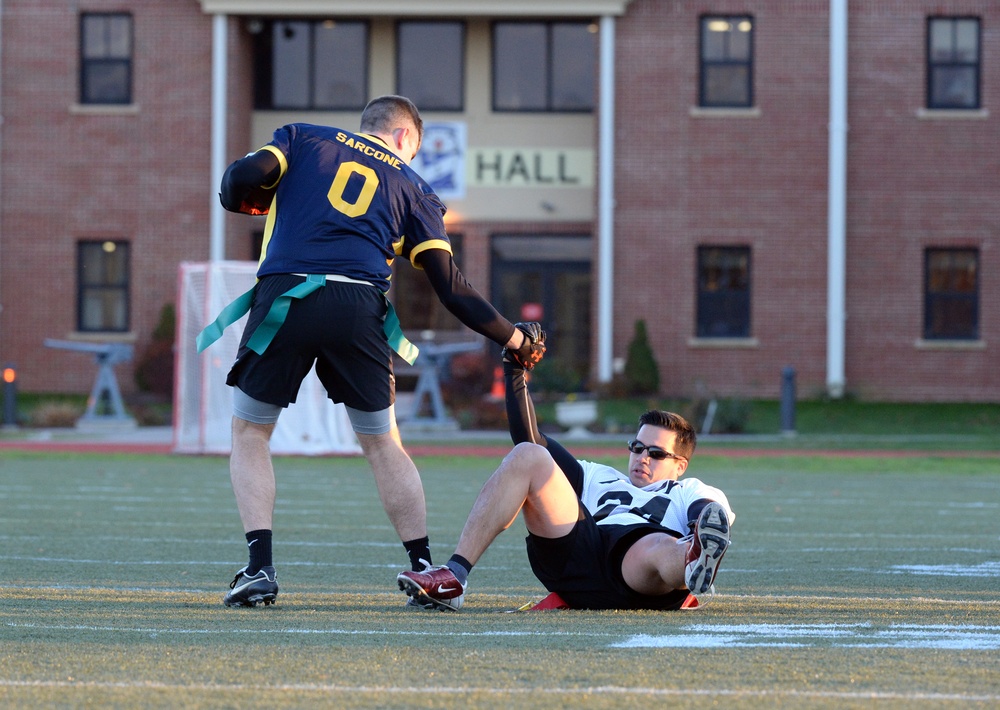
(259, 544)
(419, 551)
(460, 567)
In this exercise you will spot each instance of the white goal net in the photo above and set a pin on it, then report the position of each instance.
(203, 409)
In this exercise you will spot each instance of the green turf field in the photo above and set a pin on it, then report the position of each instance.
(852, 582)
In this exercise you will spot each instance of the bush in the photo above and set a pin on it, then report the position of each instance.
(642, 374)
(732, 415)
(549, 378)
(465, 387)
(154, 372)
(53, 415)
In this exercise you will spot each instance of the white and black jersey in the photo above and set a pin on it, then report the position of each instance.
(612, 499)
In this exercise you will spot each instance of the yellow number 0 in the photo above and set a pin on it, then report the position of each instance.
(364, 201)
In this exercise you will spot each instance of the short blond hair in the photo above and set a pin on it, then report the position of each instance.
(384, 114)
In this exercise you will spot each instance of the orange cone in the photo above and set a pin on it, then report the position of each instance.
(497, 391)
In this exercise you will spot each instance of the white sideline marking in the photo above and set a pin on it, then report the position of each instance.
(448, 690)
(861, 635)
(720, 595)
(860, 536)
(983, 569)
(987, 569)
(350, 544)
(301, 632)
(191, 563)
(899, 550)
(864, 635)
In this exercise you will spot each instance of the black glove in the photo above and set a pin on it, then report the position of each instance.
(253, 201)
(532, 349)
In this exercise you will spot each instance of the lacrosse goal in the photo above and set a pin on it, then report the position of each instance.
(203, 410)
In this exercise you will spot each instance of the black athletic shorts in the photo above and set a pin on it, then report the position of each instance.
(585, 566)
(338, 327)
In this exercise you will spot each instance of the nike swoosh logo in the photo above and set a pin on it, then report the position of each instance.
(613, 480)
(444, 590)
(250, 544)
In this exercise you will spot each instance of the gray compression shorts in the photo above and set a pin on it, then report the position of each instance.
(252, 410)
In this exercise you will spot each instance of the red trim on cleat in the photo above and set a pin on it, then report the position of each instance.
(435, 586)
(709, 543)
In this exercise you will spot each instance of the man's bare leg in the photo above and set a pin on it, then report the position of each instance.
(527, 478)
(252, 474)
(398, 483)
(655, 564)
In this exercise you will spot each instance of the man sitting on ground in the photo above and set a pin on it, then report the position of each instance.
(597, 538)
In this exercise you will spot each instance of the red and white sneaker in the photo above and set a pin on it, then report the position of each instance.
(435, 586)
(708, 544)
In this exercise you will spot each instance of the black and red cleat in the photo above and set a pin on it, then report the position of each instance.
(434, 586)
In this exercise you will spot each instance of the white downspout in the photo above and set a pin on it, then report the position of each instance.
(217, 224)
(1, 137)
(605, 203)
(837, 203)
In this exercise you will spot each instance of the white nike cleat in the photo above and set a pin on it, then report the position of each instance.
(708, 544)
(434, 586)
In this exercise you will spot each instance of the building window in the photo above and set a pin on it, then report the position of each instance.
(546, 277)
(103, 286)
(430, 60)
(951, 294)
(414, 299)
(320, 65)
(953, 62)
(105, 58)
(544, 66)
(723, 292)
(726, 78)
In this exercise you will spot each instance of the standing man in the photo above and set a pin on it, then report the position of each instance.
(598, 538)
(340, 207)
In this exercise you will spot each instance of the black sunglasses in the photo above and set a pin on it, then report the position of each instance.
(655, 452)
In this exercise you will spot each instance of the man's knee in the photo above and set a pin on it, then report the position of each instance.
(245, 431)
(530, 455)
(528, 462)
(384, 444)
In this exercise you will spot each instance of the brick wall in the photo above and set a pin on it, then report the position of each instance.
(916, 183)
(140, 175)
(684, 180)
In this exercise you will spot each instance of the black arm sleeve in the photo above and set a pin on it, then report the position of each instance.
(247, 175)
(459, 297)
(524, 426)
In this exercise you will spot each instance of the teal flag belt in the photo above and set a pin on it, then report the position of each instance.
(265, 332)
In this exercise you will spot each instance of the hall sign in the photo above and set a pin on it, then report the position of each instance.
(530, 167)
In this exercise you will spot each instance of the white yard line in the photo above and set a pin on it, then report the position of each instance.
(556, 692)
(965, 637)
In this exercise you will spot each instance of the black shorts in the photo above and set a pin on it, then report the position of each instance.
(338, 327)
(585, 566)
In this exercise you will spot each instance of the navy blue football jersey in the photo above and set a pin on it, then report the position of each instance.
(345, 204)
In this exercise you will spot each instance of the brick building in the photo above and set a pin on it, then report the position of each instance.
(603, 161)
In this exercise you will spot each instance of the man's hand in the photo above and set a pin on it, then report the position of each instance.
(532, 349)
(253, 201)
(242, 183)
